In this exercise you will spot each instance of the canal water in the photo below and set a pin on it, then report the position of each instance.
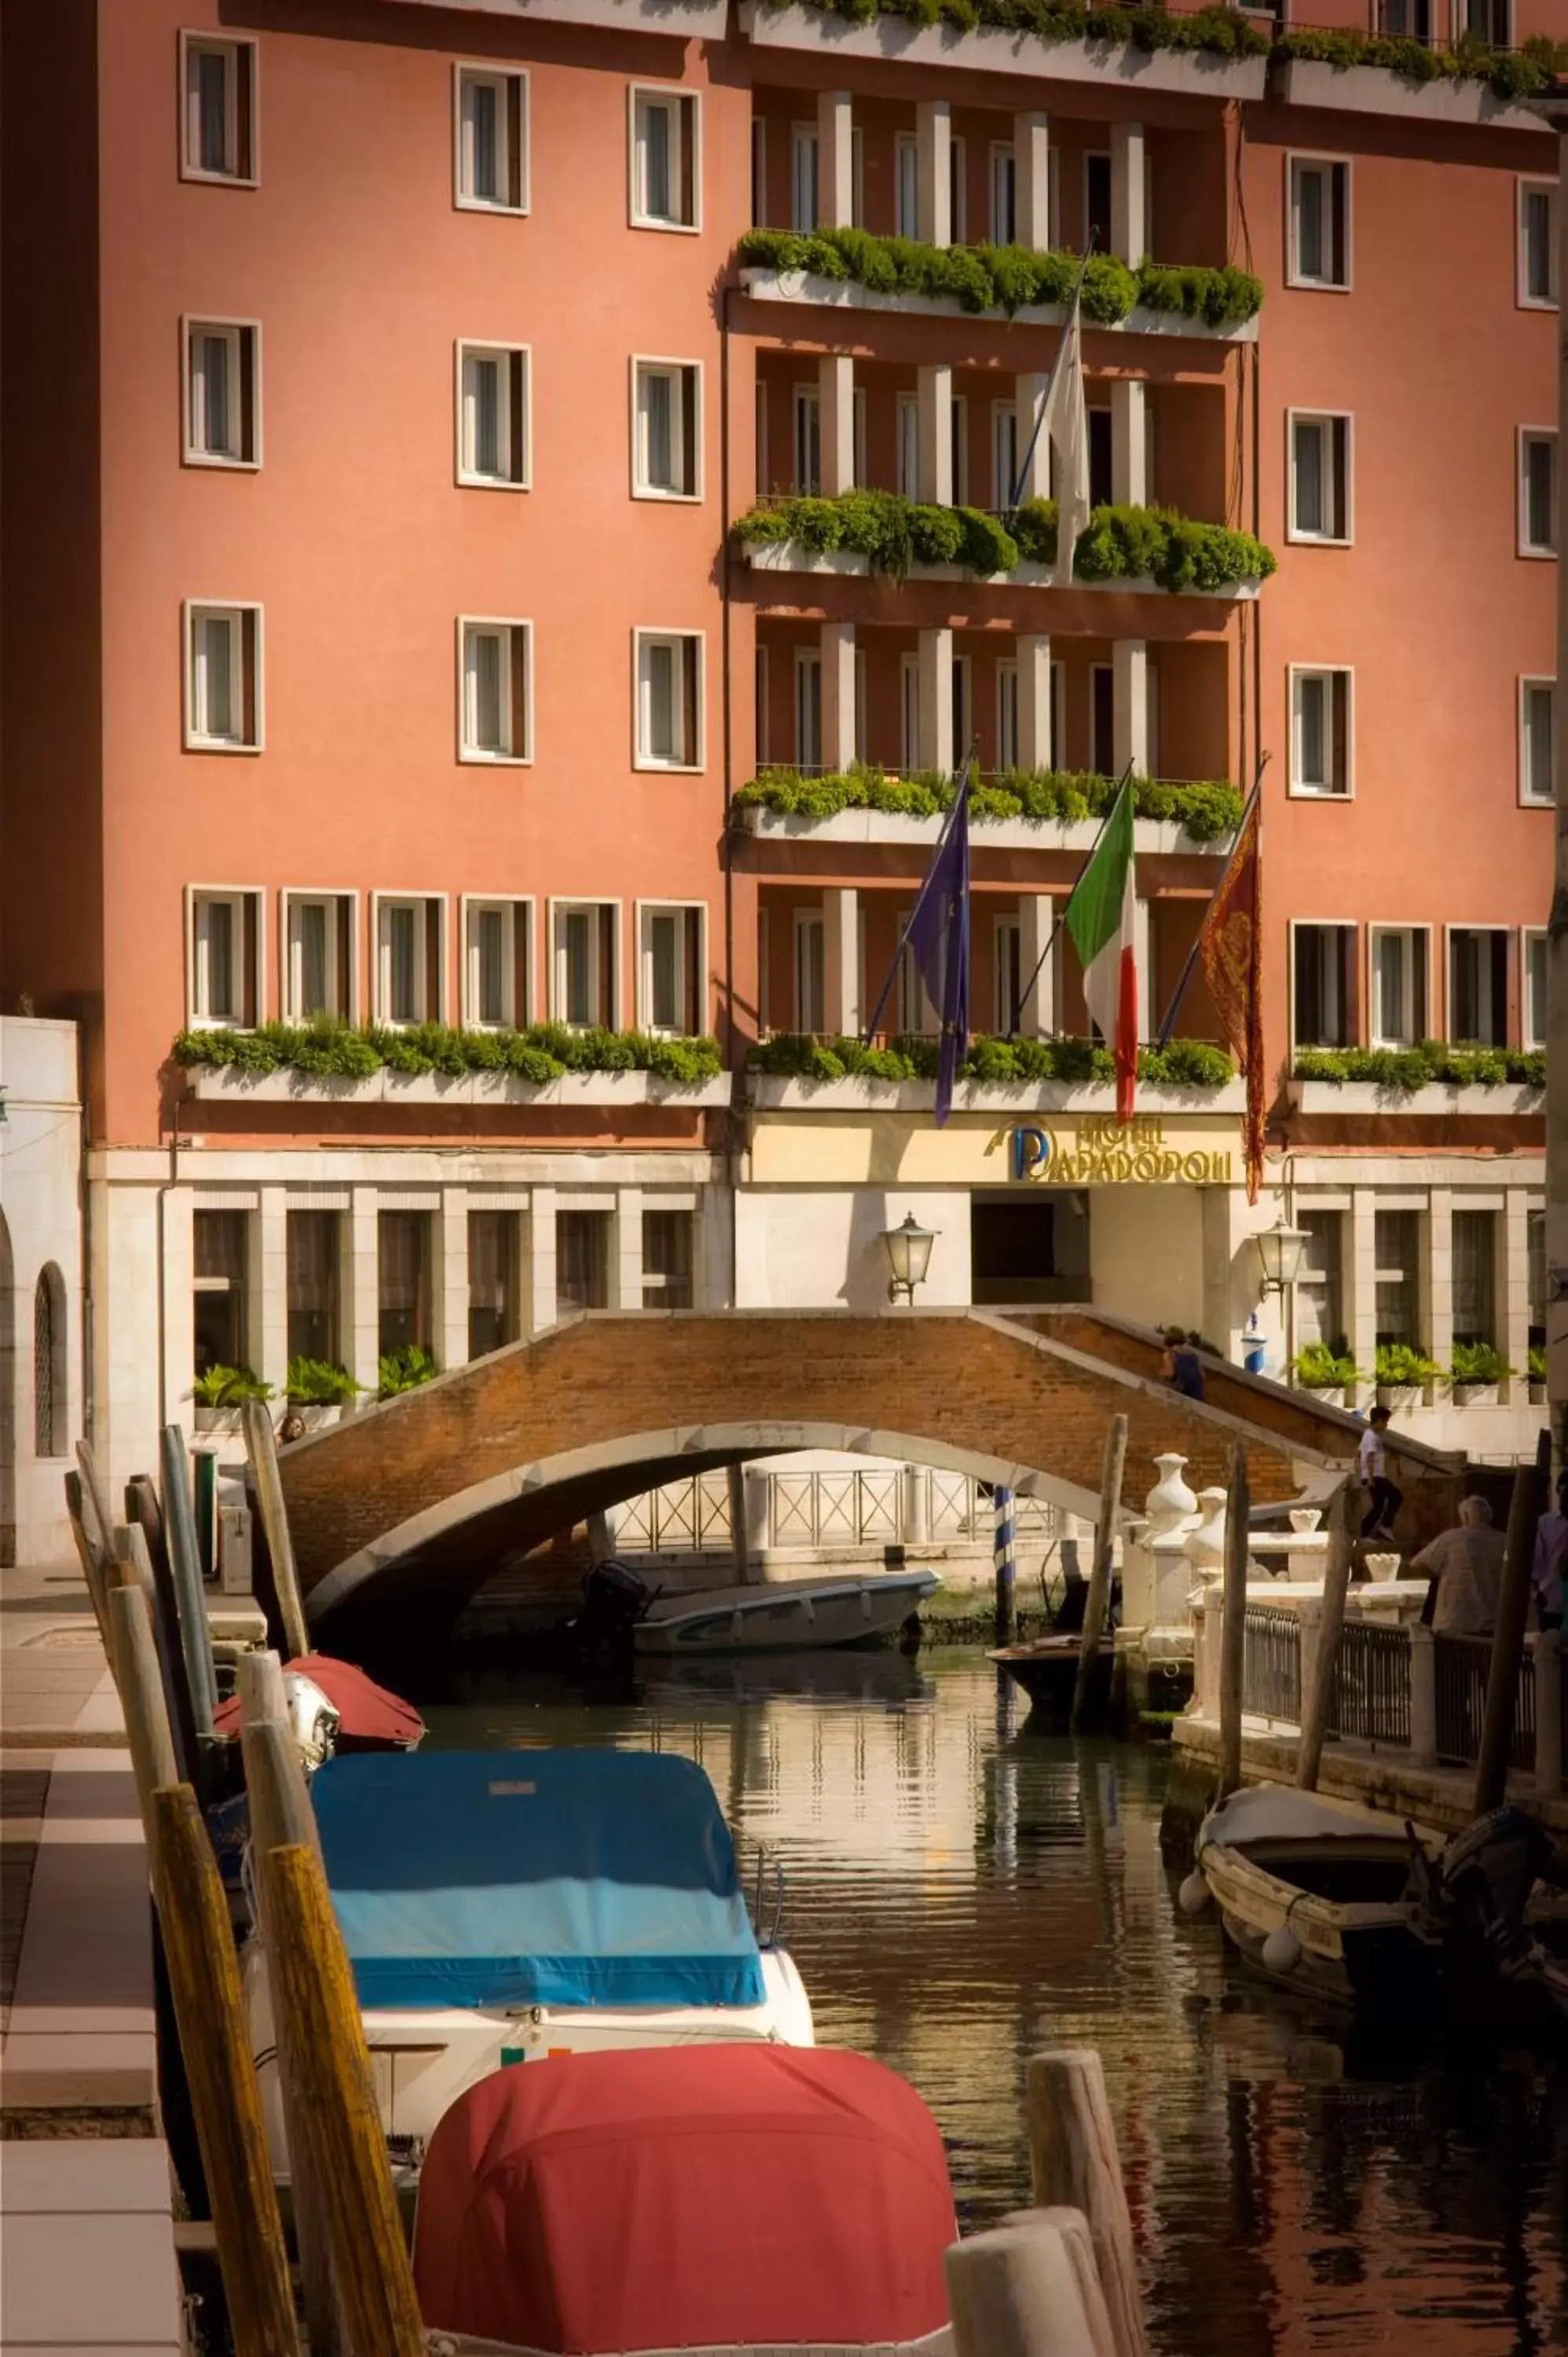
(959, 1892)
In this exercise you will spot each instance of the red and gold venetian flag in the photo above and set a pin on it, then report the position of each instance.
(1230, 945)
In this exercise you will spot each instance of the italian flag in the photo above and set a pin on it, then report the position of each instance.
(1099, 917)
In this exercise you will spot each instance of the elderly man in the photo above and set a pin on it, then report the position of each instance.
(1467, 1565)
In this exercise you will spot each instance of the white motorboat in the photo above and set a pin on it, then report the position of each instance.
(499, 1908)
(784, 1616)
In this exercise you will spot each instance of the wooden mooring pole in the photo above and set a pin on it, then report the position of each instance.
(262, 1447)
(1525, 1508)
(1094, 1610)
(1319, 1671)
(190, 1594)
(1233, 1626)
(1015, 2292)
(1076, 2165)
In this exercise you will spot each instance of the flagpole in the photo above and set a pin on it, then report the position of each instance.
(963, 779)
(1022, 477)
(1185, 976)
(1028, 990)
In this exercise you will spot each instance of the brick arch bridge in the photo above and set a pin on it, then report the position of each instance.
(417, 1503)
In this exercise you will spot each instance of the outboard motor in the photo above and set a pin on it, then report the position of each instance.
(615, 1598)
(312, 1717)
(1477, 1892)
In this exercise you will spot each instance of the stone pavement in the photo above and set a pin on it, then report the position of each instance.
(86, 2252)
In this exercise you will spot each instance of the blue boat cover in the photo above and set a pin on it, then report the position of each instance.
(589, 1877)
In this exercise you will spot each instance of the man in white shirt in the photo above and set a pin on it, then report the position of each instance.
(1467, 1565)
(1379, 1520)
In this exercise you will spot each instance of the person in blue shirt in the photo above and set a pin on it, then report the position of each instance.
(1181, 1364)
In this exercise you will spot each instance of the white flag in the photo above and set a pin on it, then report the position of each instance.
(1065, 425)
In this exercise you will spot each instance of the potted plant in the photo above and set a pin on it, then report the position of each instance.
(405, 1370)
(1328, 1369)
(221, 1392)
(321, 1391)
(1401, 1373)
(1536, 1366)
(1475, 1372)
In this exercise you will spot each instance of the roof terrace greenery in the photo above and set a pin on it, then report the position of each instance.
(1205, 809)
(1181, 1064)
(542, 1052)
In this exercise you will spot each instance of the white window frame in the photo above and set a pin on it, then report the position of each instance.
(958, 412)
(1317, 925)
(650, 362)
(806, 432)
(608, 1018)
(1295, 417)
(1456, 22)
(1297, 159)
(1009, 739)
(1005, 424)
(643, 912)
(1298, 789)
(859, 445)
(806, 921)
(957, 188)
(803, 141)
(469, 750)
(248, 903)
(1528, 684)
(517, 429)
(807, 665)
(646, 634)
(516, 907)
(962, 707)
(196, 739)
(669, 93)
(1534, 185)
(856, 176)
(907, 483)
(1531, 1021)
(466, 70)
(1448, 1033)
(1542, 552)
(909, 714)
(244, 339)
(918, 1015)
(906, 149)
(192, 42)
(433, 1000)
(1003, 164)
(1004, 929)
(342, 904)
(1418, 961)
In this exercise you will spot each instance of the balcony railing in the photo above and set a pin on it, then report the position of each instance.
(824, 1508)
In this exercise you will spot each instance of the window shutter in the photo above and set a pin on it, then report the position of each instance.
(518, 401)
(692, 979)
(248, 393)
(250, 681)
(249, 1009)
(244, 110)
(689, 430)
(514, 139)
(687, 109)
(520, 742)
(692, 716)
(1340, 773)
(434, 978)
(604, 918)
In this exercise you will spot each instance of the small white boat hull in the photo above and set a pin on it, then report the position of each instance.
(785, 1616)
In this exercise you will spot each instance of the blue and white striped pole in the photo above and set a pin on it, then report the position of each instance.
(1002, 1504)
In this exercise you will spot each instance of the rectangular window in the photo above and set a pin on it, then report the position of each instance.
(410, 945)
(498, 962)
(402, 1282)
(491, 143)
(667, 1259)
(758, 172)
(1406, 20)
(1535, 978)
(1097, 202)
(224, 989)
(860, 723)
(1396, 1255)
(1320, 732)
(669, 699)
(1536, 782)
(907, 454)
(908, 713)
(1319, 478)
(1323, 976)
(1397, 961)
(223, 679)
(857, 435)
(1005, 452)
(1007, 732)
(810, 970)
(1478, 986)
(666, 429)
(1537, 245)
(493, 425)
(318, 956)
(1010, 974)
(764, 733)
(494, 686)
(220, 1289)
(917, 1011)
(808, 417)
(957, 192)
(585, 983)
(581, 1260)
(1003, 193)
(1319, 1311)
(1101, 457)
(959, 427)
(669, 979)
(314, 1252)
(222, 394)
(906, 184)
(1474, 1249)
(804, 178)
(218, 79)
(962, 709)
(1103, 719)
(665, 168)
(808, 708)
(1490, 21)
(1319, 222)
(495, 1290)
(1537, 493)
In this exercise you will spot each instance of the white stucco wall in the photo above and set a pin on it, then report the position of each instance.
(808, 1247)
(41, 1157)
(1145, 1249)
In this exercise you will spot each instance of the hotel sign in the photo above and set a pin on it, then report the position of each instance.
(1099, 1151)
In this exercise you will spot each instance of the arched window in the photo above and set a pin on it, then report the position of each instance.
(49, 1365)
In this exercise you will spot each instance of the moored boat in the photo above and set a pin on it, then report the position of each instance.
(1047, 1672)
(784, 1616)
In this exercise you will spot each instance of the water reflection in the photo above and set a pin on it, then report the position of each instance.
(960, 1891)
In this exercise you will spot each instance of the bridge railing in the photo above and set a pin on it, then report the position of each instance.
(821, 1509)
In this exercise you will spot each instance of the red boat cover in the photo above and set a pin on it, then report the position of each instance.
(685, 2194)
(368, 1714)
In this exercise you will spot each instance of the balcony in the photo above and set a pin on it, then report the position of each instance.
(1012, 810)
(433, 1064)
(1367, 74)
(799, 1072)
(1431, 1080)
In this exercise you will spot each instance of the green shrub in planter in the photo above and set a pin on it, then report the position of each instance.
(1399, 1367)
(1477, 1363)
(320, 1382)
(1325, 1366)
(404, 1370)
(1535, 1362)
(229, 1387)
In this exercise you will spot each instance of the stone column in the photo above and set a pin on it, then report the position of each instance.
(1036, 750)
(626, 1250)
(934, 384)
(1423, 1698)
(451, 1273)
(936, 700)
(1028, 399)
(269, 1322)
(541, 1259)
(1513, 1288)
(1361, 1313)
(363, 1288)
(840, 959)
(1439, 1288)
(1130, 705)
(837, 648)
(759, 1509)
(1129, 442)
(835, 410)
(1031, 180)
(916, 1506)
(933, 183)
(178, 1215)
(1036, 915)
(1128, 193)
(835, 159)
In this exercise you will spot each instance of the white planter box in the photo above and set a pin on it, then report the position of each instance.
(1326, 1394)
(1112, 65)
(1373, 90)
(687, 19)
(1398, 1396)
(773, 1095)
(1150, 835)
(790, 556)
(1367, 1097)
(1468, 1395)
(223, 1081)
(848, 295)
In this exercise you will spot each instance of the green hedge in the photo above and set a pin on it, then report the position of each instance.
(1005, 277)
(1206, 810)
(1119, 544)
(543, 1052)
(1184, 1064)
(1406, 1068)
(1508, 74)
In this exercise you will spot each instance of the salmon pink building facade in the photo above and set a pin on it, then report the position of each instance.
(514, 515)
